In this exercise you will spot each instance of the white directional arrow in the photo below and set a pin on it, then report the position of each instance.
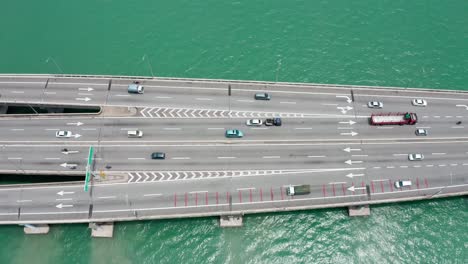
(63, 205)
(83, 99)
(460, 105)
(89, 89)
(351, 175)
(344, 109)
(352, 188)
(352, 133)
(350, 162)
(61, 193)
(70, 152)
(68, 165)
(350, 122)
(344, 96)
(75, 124)
(76, 135)
(350, 149)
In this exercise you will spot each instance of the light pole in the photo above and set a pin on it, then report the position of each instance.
(55, 63)
(145, 58)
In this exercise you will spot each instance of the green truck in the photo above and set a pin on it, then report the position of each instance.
(292, 190)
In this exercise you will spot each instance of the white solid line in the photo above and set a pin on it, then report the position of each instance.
(163, 97)
(52, 158)
(15, 158)
(136, 158)
(212, 128)
(316, 156)
(23, 201)
(271, 157)
(64, 199)
(172, 128)
(181, 158)
(363, 155)
(287, 102)
(226, 157)
(106, 197)
(303, 128)
(152, 194)
(243, 189)
(438, 153)
(204, 99)
(17, 129)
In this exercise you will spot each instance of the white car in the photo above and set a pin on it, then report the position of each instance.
(63, 134)
(414, 157)
(399, 184)
(375, 104)
(254, 122)
(419, 102)
(421, 132)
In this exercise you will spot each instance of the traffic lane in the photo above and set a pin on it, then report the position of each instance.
(46, 132)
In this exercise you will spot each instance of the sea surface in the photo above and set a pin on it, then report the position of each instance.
(399, 43)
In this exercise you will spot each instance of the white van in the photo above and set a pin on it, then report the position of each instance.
(400, 184)
(135, 133)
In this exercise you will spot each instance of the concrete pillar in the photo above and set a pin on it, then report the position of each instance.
(230, 221)
(36, 229)
(362, 210)
(102, 229)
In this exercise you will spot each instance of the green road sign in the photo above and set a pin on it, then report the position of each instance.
(88, 167)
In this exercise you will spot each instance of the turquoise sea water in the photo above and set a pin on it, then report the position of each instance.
(367, 42)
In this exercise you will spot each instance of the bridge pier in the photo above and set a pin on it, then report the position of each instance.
(361, 210)
(230, 221)
(36, 229)
(102, 229)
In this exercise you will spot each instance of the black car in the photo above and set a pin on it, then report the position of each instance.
(273, 121)
(262, 96)
(158, 155)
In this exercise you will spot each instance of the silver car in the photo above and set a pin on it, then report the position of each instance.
(399, 184)
(375, 104)
(415, 157)
(419, 102)
(421, 132)
(254, 122)
(63, 134)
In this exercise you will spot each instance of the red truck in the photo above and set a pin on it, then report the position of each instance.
(393, 119)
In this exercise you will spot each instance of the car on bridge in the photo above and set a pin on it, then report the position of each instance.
(234, 133)
(415, 157)
(254, 122)
(262, 96)
(399, 184)
(421, 132)
(419, 102)
(158, 155)
(273, 121)
(375, 104)
(63, 134)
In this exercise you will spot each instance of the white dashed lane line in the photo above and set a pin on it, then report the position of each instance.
(400, 154)
(152, 194)
(360, 155)
(107, 197)
(136, 158)
(226, 157)
(204, 99)
(215, 128)
(316, 156)
(438, 153)
(163, 97)
(271, 157)
(17, 129)
(181, 158)
(172, 128)
(245, 101)
(304, 128)
(287, 102)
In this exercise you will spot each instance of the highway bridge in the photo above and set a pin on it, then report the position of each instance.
(325, 141)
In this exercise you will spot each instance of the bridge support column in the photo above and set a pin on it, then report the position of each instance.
(361, 210)
(102, 229)
(230, 221)
(36, 229)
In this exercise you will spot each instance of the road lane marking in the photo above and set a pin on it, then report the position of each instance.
(400, 154)
(403, 166)
(244, 189)
(376, 167)
(52, 129)
(287, 102)
(259, 128)
(438, 153)
(152, 194)
(51, 158)
(107, 197)
(17, 92)
(316, 156)
(345, 128)
(126, 128)
(198, 192)
(63, 199)
(181, 158)
(90, 129)
(448, 116)
(430, 165)
(357, 155)
(204, 99)
(458, 127)
(436, 116)
(384, 127)
(163, 97)
(423, 127)
(304, 128)
(442, 165)
(417, 166)
(85, 94)
(453, 164)
(15, 158)
(390, 167)
(50, 92)
(17, 129)
(23, 201)
(245, 101)
(215, 128)
(172, 128)
(337, 182)
(271, 157)
(136, 158)
(465, 164)
(330, 104)
(226, 157)
(122, 95)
